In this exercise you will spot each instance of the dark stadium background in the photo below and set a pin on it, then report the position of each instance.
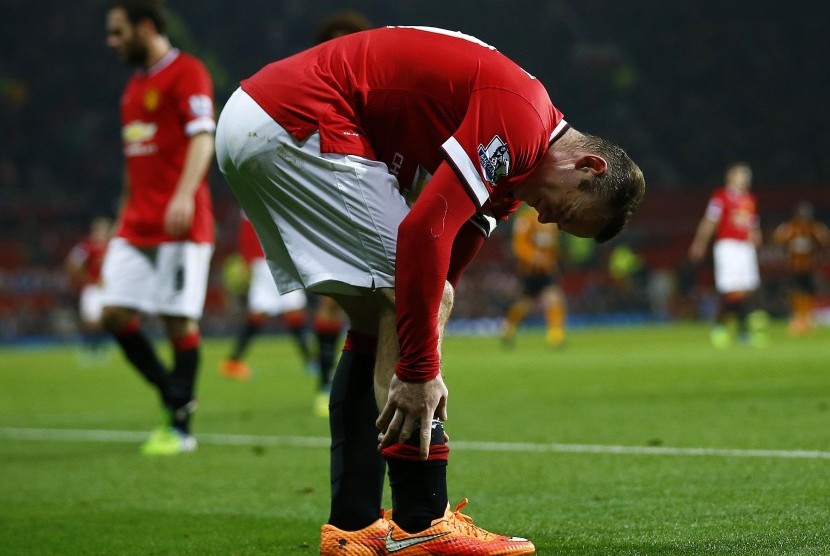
(686, 87)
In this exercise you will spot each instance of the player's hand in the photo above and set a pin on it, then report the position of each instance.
(409, 404)
(179, 215)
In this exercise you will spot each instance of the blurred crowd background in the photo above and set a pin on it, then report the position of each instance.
(685, 87)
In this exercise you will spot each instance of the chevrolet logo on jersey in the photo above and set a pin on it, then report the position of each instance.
(137, 131)
(494, 159)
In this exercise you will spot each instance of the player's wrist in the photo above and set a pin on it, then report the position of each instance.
(416, 374)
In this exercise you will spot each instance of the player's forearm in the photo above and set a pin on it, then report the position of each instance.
(422, 267)
(196, 164)
(75, 271)
(425, 248)
(467, 244)
(779, 235)
(705, 231)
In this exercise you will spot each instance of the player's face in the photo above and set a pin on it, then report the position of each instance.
(123, 38)
(575, 211)
(100, 229)
(556, 195)
(739, 177)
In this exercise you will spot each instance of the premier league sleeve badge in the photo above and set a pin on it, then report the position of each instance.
(494, 159)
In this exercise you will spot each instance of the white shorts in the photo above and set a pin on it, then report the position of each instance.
(263, 296)
(736, 266)
(169, 280)
(327, 222)
(90, 306)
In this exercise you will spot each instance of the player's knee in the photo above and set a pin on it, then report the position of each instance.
(179, 327)
(115, 319)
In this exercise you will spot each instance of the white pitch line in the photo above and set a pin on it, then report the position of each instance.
(87, 435)
(638, 450)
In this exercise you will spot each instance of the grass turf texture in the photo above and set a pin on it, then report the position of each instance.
(253, 488)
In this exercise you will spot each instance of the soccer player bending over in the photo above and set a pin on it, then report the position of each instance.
(373, 167)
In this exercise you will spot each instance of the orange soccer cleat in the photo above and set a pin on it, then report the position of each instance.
(453, 535)
(235, 370)
(369, 541)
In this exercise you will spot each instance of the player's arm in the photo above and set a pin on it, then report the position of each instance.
(75, 264)
(426, 239)
(822, 235)
(755, 235)
(180, 209)
(781, 234)
(467, 244)
(705, 230)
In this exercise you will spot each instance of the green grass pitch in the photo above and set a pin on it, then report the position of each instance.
(629, 441)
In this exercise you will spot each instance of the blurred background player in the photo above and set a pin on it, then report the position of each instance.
(804, 238)
(263, 300)
(731, 217)
(341, 23)
(83, 265)
(328, 321)
(159, 259)
(536, 247)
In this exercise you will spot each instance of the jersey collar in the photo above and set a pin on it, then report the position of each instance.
(165, 61)
(558, 131)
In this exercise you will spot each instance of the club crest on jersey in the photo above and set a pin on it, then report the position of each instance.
(151, 100)
(494, 159)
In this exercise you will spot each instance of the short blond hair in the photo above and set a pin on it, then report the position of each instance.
(621, 187)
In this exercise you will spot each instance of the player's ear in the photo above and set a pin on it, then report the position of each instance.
(593, 163)
(145, 28)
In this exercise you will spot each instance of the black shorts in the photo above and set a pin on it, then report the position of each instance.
(534, 284)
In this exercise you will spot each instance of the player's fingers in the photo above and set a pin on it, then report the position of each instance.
(407, 428)
(392, 432)
(441, 410)
(426, 436)
(382, 422)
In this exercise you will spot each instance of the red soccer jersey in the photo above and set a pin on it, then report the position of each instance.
(413, 97)
(735, 212)
(89, 255)
(248, 242)
(160, 110)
